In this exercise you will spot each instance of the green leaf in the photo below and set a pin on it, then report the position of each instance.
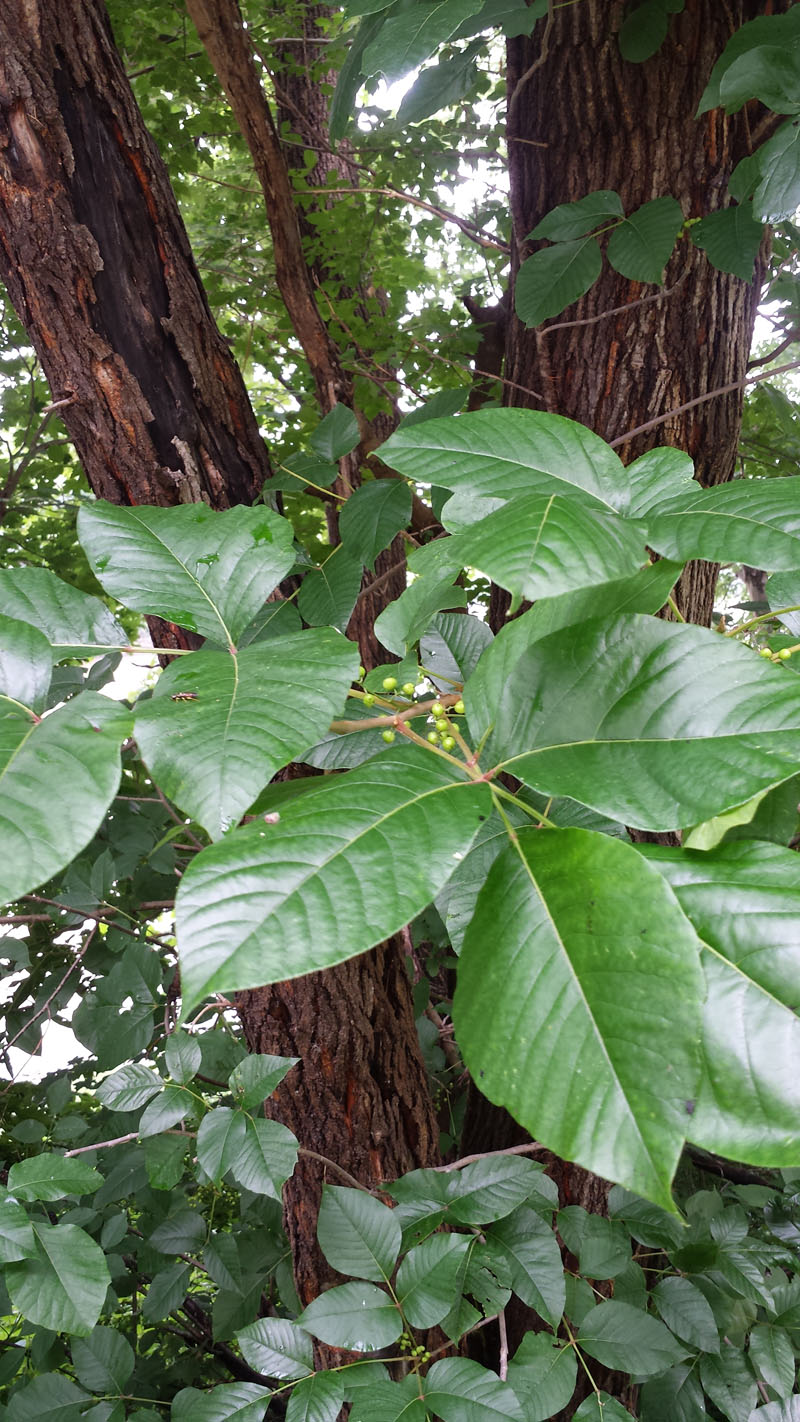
(350, 78)
(676, 1394)
(642, 246)
(729, 1383)
(656, 475)
(426, 1279)
(167, 1292)
(390, 1402)
(451, 648)
(184, 1057)
(328, 594)
(49, 1398)
(542, 1373)
(372, 516)
(336, 435)
(687, 1313)
(357, 1234)
(601, 1407)
(277, 1348)
(772, 1356)
(209, 572)
(497, 454)
(777, 195)
(17, 1240)
(574, 219)
(129, 1088)
(731, 239)
(266, 1158)
(458, 1390)
(537, 1272)
(602, 1247)
(65, 1287)
(412, 35)
(166, 1110)
(316, 1399)
(767, 72)
(57, 779)
(229, 1402)
(446, 402)
(180, 1233)
(358, 1316)
(570, 917)
(164, 1160)
(243, 905)
(442, 86)
(298, 471)
(104, 1361)
(51, 1177)
(766, 30)
(402, 623)
(783, 590)
(755, 521)
(220, 1140)
(618, 716)
(643, 31)
(68, 618)
(620, 1336)
(248, 716)
(26, 663)
(255, 1078)
(778, 1411)
(744, 901)
(489, 1189)
(555, 277)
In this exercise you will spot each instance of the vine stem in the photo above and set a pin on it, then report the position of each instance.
(764, 617)
(530, 1148)
(537, 815)
(393, 718)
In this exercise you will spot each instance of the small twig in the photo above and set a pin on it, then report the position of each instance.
(528, 1149)
(340, 1170)
(503, 1331)
(451, 1053)
(702, 399)
(106, 1145)
(614, 310)
(475, 234)
(395, 718)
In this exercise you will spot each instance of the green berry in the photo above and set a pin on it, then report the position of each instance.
(437, 709)
(459, 708)
(785, 653)
(368, 699)
(442, 724)
(362, 671)
(447, 743)
(389, 683)
(433, 738)
(388, 736)
(765, 652)
(408, 688)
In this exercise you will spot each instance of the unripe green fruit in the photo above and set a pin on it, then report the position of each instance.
(408, 688)
(448, 743)
(785, 653)
(437, 709)
(389, 683)
(362, 671)
(765, 652)
(441, 723)
(433, 738)
(388, 736)
(459, 708)
(368, 699)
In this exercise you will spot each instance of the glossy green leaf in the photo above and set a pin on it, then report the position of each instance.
(357, 1234)
(182, 1232)
(426, 1279)
(68, 618)
(255, 1078)
(49, 1398)
(783, 590)
(246, 717)
(656, 475)
(731, 239)
(359, 1316)
(456, 901)
(64, 1287)
(26, 663)
(788, 1411)
(482, 1287)
(602, 1247)
(328, 594)
(441, 86)
(51, 1177)
(167, 1291)
(299, 471)
(412, 35)
(350, 76)
(209, 572)
(229, 1402)
(245, 905)
(767, 72)
(166, 1110)
(57, 779)
(778, 194)
(588, 951)
(184, 1056)
(316, 1399)
(537, 1273)
(542, 1373)
(451, 647)
(676, 1394)
(220, 1140)
(336, 435)
(780, 30)
(772, 1356)
(744, 901)
(602, 1407)
(265, 1158)
(458, 1390)
(620, 1336)
(402, 623)
(17, 1240)
(643, 31)
(372, 516)
(390, 1402)
(574, 219)
(729, 1383)
(751, 521)
(103, 1361)
(619, 717)
(555, 277)
(686, 1313)
(490, 1189)
(642, 246)
(277, 1348)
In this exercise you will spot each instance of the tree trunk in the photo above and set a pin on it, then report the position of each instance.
(98, 266)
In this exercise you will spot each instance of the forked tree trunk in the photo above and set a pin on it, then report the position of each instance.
(98, 266)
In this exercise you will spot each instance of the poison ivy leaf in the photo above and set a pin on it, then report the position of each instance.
(338, 750)
(51, 1177)
(788, 1411)
(26, 663)
(489, 1189)
(372, 516)
(357, 1234)
(328, 594)
(729, 1383)
(731, 238)
(643, 31)
(744, 901)
(391, 1402)
(601, 1407)
(542, 1373)
(657, 475)
(300, 471)
(676, 1394)
(512, 17)
(255, 1078)
(442, 86)
(57, 779)
(243, 718)
(265, 1158)
(753, 521)
(641, 247)
(447, 402)
(229, 1402)
(277, 1348)
(359, 1316)
(780, 30)
(531, 1249)
(184, 1057)
(17, 1240)
(426, 1279)
(244, 904)
(316, 1399)
(220, 1140)
(497, 454)
(456, 901)
(687, 1313)
(574, 219)
(167, 1291)
(451, 648)
(68, 618)
(336, 435)
(602, 1247)
(619, 717)
(783, 590)
(166, 1110)
(49, 1398)
(411, 36)
(768, 72)
(620, 1336)
(129, 1088)
(772, 1356)
(209, 572)
(458, 1390)
(569, 914)
(778, 194)
(104, 1361)
(553, 278)
(64, 1287)
(401, 624)
(180, 1233)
